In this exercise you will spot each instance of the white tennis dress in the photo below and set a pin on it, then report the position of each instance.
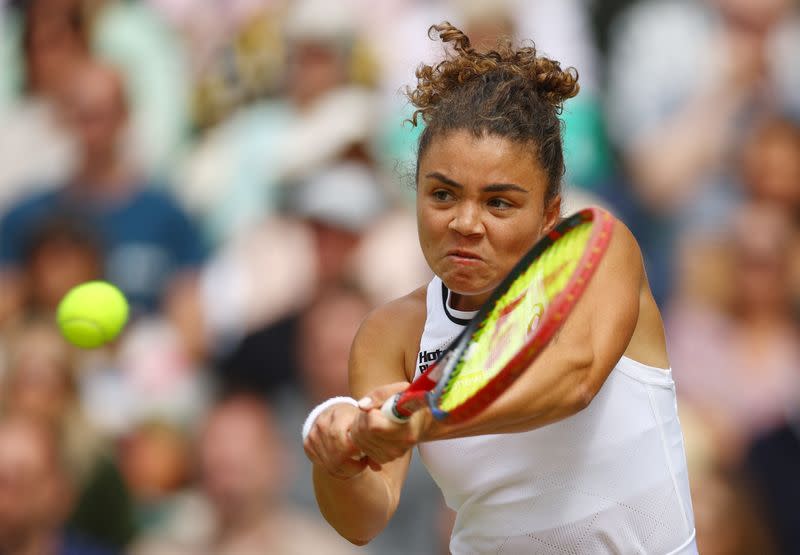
(609, 479)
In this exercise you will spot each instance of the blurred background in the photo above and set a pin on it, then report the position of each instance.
(241, 170)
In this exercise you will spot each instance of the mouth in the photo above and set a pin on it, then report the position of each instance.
(463, 255)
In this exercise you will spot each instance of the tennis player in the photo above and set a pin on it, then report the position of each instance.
(584, 453)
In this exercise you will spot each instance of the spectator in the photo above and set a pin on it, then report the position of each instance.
(737, 364)
(304, 349)
(155, 460)
(40, 383)
(60, 253)
(234, 174)
(242, 509)
(35, 494)
(771, 163)
(686, 81)
(151, 249)
(282, 264)
(53, 39)
(135, 40)
(676, 132)
(126, 34)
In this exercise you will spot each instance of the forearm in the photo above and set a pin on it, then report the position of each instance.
(542, 395)
(358, 508)
(666, 162)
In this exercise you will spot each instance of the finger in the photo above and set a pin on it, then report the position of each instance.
(360, 454)
(377, 397)
(370, 447)
(331, 449)
(377, 443)
(340, 463)
(311, 452)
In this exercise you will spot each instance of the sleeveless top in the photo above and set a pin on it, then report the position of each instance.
(610, 479)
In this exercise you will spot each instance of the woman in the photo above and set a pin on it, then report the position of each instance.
(584, 453)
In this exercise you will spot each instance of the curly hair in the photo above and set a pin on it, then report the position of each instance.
(509, 92)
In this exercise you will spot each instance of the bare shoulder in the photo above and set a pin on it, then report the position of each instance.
(386, 342)
(625, 275)
(624, 257)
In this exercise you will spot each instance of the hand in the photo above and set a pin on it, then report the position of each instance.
(329, 446)
(380, 439)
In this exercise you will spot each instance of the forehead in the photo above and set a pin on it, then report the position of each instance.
(478, 160)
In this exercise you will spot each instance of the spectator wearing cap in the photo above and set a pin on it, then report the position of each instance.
(328, 217)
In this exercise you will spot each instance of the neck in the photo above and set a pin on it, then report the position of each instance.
(467, 303)
(102, 175)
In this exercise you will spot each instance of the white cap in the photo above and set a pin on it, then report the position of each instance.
(319, 20)
(345, 195)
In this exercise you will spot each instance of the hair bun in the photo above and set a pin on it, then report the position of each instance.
(552, 83)
(555, 85)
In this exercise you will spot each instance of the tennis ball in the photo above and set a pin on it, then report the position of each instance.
(92, 314)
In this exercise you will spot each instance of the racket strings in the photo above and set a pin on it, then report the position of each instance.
(515, 317)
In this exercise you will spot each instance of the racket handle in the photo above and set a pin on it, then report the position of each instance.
(388, 410)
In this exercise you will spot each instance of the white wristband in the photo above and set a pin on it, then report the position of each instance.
(312, 416)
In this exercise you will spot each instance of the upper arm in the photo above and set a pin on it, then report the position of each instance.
(611, 306)
(381, 347)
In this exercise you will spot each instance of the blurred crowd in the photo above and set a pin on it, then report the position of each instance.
(242, 171)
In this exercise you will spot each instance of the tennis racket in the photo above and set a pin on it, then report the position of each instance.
(514, 325)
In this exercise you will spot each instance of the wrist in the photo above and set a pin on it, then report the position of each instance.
(322, 407)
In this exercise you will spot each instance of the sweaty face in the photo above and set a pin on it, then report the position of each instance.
(480, 207)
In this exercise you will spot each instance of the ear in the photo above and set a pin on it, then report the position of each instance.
(552, 214)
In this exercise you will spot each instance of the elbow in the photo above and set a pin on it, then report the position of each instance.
(582, 395)
(582, 386)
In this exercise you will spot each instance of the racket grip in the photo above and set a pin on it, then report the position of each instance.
(388, 410)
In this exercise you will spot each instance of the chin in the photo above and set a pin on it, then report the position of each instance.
(467, 285)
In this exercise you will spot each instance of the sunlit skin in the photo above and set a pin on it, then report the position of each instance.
(480, 208)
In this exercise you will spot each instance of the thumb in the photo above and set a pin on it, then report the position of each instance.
(378, 396)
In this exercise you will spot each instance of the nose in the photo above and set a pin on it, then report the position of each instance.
(466, 220)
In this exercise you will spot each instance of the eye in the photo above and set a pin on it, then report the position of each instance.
(500, 203)
(442, 195)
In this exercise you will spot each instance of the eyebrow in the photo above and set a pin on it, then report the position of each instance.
(490, 188)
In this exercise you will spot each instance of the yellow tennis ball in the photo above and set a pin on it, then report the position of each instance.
(92, 314)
